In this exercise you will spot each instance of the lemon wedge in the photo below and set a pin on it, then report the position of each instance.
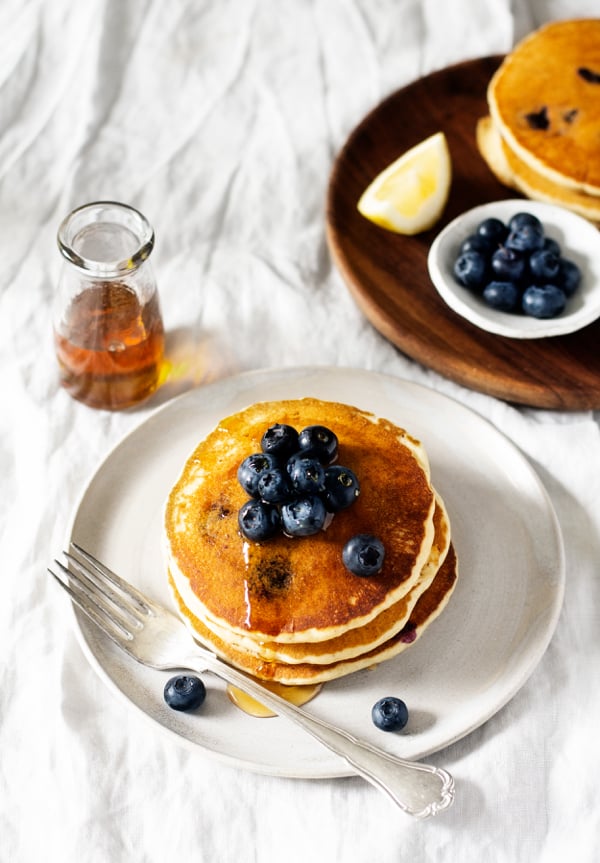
(410, 194)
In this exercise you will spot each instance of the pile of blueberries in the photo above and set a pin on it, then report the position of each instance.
(294, 487)
(515, 267)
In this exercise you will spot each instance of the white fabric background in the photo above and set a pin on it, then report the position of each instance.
(220, 121)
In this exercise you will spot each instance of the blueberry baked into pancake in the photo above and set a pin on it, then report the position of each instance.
(542, 135)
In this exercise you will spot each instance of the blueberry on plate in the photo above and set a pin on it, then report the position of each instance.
(280, 440)
(318, 442)
(493, 231)
(504, 296)
(389, 713)
(470, 269)
(544, 265)
(184, 692)
(251, 468)
(258, 520)
(304, 516)
(341, 488)
(274, 486)
(508, 265)
(543, 301)
(363, 554)
(568, 278)
(307, 475)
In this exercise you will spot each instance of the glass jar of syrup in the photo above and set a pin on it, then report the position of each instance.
(108, 329)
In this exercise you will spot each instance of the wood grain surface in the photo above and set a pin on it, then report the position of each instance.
(387, 273)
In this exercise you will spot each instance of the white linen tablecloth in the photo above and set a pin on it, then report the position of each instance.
(220, 121)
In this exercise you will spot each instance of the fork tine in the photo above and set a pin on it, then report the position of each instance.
(95, 608)
(104, 572)
(92, 581)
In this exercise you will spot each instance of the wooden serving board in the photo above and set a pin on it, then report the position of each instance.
(387, 273)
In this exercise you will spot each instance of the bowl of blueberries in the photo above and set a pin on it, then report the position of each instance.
(519, 268)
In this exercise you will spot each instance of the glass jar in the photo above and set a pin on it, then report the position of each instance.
(108, 329)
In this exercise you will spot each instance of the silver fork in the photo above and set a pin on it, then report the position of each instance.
(158, 638)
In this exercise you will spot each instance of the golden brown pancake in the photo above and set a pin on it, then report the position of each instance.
(287, 609)
(357, 640)
(298, 590)
(490, 145)
(426, 610)
(545, 103)
(514, 172)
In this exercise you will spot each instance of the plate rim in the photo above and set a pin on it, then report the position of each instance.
(337, 768)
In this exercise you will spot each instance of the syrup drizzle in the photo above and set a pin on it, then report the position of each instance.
(297, 695)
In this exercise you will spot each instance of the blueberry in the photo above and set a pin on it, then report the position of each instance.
(251, 468)
(293, 459)
(307, 475)
(470, 269)
(525, 239)
(508, 265)
(304, 516)
(184, 692)
(543, 265)
(341, 488)
(521, 220)
(493, 230)
(390, 713)
(258, 520)
(280, 440)
(476, 243)
(363, 554)
(318, 442)
(569, 276)
(552, 246)
(543, 301)
(504, 296)
(274, 486)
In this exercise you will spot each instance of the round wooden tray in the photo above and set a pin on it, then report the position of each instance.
(387, 273)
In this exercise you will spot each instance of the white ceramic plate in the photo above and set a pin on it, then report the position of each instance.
(467, 665)
(579, 240)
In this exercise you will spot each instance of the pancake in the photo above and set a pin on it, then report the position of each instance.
(357, 640)
(544, 100)
(512, 171)
(490, 145)
(298, 590)
(427, 609)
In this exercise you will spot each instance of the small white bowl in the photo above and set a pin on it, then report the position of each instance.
(579, 241)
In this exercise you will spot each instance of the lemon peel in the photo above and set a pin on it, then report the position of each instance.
(409, 196)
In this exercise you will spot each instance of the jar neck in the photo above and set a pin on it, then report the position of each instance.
(106, 239)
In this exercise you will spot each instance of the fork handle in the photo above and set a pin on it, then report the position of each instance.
(418, 789)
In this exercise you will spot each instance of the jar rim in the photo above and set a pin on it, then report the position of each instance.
(98, 212)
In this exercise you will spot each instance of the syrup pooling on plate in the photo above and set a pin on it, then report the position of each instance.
(297, 695)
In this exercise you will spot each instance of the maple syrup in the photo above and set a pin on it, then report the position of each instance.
(297, 695)
(112, 356)
(108, 329)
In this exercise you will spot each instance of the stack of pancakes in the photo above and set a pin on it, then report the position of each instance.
(287, 609)
(542, 136)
